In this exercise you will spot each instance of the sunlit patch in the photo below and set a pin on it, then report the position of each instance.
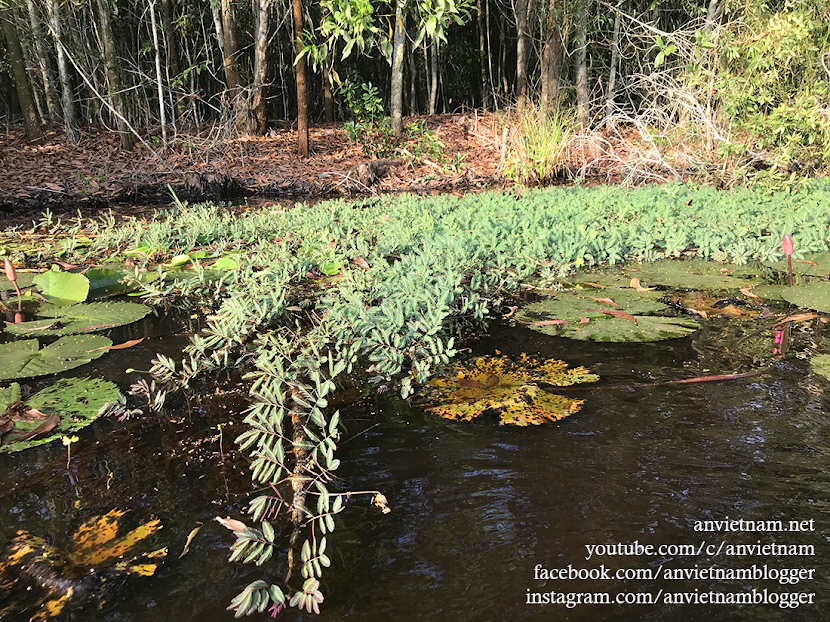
(39, 575)
(507, 388)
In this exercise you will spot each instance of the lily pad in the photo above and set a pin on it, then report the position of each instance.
(62, 287)
(677, 274)
(24, 279)
(25, 359)
(644, 328)
(821, 365)
(106, 282)
(817, 264)
(814, 295)
(81, 318)
(509, 389)
(75, 402)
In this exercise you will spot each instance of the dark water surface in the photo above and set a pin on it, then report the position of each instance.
(476, 507)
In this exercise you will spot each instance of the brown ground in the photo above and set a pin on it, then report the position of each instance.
(96, 175)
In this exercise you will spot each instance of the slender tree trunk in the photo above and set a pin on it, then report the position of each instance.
(522, 50)
(503, 60)
(490, 55)
(21, 80)
(68, 98)
(258, 107)
(413, 76)
(398, 52)
(300, 66)
(162, 111)
(713, 14)
(433, 82)
(581, 54)
(230, 50)
(44, 64)
(553, 54)
(612, 72)
(482, 55)
(173, 63)
(113, 74)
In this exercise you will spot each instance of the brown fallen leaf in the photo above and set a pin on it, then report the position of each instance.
(809, 263)
(190, 537)
(510, 313)
(696, 312)
(584, 320)
(230, 523)
(597, 285)
(635, 284)
(120, 346)
(50, 423)
(620, 314)
(746, 291)
(607, 301)
(361, 263)
(546, 322)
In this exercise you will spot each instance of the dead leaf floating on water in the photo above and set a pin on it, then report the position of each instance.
(509, 389)
(635, 284)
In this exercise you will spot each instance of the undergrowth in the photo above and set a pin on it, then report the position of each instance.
(406, 266)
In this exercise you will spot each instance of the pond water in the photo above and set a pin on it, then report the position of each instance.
(475, 507)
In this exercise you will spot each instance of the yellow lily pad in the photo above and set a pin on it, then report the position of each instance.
(510, 389)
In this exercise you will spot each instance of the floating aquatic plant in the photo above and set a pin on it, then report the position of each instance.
(512, 390)
(81, 318)
(618, 316)
(687, 274)
(62, 287)
(67, 406)
(26, 359)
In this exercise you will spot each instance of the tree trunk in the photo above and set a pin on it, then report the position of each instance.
(522, 50)
(50, 86)
(258, 109)
(482, 55)
(581, 55)
(300, 66)
(173, 64)
(162, 112)
(398, 52)
(713, 14)
(433, 82)
(233, 80)
(113, 74)
(413, 76)
(612, 72)
(553, 55)
(21, 80)
(68, 99)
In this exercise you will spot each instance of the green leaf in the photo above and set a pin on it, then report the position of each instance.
(105, 282)
(81, 318)
(62, 287)
(821, 365)
(814, 295)
(76, 401)
(9, 395)
(817, 264)
(618, 330)
(25, 359)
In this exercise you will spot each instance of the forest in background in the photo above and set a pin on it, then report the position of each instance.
(733, 89)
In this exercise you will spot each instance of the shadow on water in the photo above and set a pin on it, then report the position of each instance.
(477, 507)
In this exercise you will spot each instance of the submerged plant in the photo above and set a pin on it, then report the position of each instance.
(512, 390)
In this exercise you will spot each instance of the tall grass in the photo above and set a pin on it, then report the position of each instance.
(537, 146)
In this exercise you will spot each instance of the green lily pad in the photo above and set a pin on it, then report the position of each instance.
(677, 274)
(81, 318)
(76, 401)
(618, 330)
(63, 287)
(565, 315)
(817, 264)
(814, 295)
(770, 292)
(24, 279)
(821, 365)
(106, 282)
(9, 395)
(25, 359)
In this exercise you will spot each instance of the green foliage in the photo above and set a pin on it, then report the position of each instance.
(76, 402)
(538, 146)
(408, 269)
(362, 100)
(81, 318)
(25, 359)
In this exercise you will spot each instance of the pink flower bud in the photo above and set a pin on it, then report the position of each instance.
(10, 273)
(788, 245)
